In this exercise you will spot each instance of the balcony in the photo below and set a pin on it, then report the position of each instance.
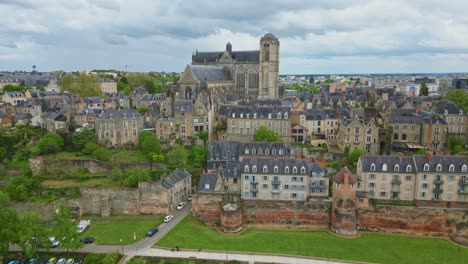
(396, 189)
(397, 181)
(275, 190)
(462, 191)
(437, 190)
(438, 181)
(275, 181)
(463, 182)
(254, 181)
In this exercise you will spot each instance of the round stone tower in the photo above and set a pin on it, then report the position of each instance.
(231, 218)
(343, 215)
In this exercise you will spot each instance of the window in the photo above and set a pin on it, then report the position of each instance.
(286, 170)
(464, 168)
(384, 167)
(439, 167)
(275, 169)
(254, 168)
(372, 167)
(423, 194)
(246, 151)
(294, 170)
(425, 186)
(408, 168)
(451, 168)
(371, 184)
(294, 195)
(426, 167)
(303, 170)
(372, 176)
(265, 186)
(424, 177)
(286, 187)
(408, 177)
(383, 194)
(246, 168)
(265, 169)
(246, 177)
(396, 167)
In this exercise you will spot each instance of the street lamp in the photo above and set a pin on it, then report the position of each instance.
(121, 246)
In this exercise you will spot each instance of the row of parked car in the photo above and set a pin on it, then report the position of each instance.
(46, 261)
(168, 218)
(54, 243)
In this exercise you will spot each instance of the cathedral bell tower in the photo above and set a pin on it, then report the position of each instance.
(269, 66)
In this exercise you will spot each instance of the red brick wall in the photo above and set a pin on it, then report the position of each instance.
(231, 221)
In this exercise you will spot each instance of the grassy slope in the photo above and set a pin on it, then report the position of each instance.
(190, 233)
(109, 231)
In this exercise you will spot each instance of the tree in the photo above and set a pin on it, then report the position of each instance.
(177, 156)
(455, 144)
(458, 97)
(8, 226)
(142, 109)
(101, 154)
(198, 156)
(90, 147)
(65, 229)
(81, 84)
(133, 176)
(148, 143)
(203, 135)
(50, 143)
(31, 233)
(265, 134)
(102, 258)
(424, 90)
(354, 156)
(422, 151)
(80, 139)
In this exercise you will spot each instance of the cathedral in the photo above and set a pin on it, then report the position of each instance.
(252, 74)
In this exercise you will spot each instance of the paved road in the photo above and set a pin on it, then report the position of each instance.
(144, 248)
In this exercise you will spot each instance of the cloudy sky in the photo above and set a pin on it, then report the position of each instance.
(320, 36)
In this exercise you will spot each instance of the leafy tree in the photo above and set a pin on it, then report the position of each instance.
(149, 144)
(80, 139)
(455, 144)
(198, 156)
(177, 156)
(82, 84)
(158, 158)
(458, 97)
(133, 176)
(116, 174)
(422, 151)
(142, 109)
(51, 143)
(90, 147)
(31, 233)
(101, 154)
(102, 258)
(424, 90)
(65, 229)
(18, 189)
(203, 135)
(8, 224)
(265, 134)
(354, 156)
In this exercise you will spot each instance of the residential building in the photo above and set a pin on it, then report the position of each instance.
(108, 86)
(119, 127)
(179, 186)
(13, 98)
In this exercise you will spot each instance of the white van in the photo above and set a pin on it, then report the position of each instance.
(83, 225)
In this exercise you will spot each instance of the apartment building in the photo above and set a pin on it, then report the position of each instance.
(358, 134)
(118, 127)
(108, 86)
(281, 179)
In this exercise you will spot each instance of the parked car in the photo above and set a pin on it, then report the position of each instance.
(42, 261)
(70, 261)
(78, 261)
(189, 198)
(168, 218)
(61, 261)
(180, 206)
(14, 262)
(87, 240)
(54, 242)
(52, 261)
(33, 261)
(152, 232)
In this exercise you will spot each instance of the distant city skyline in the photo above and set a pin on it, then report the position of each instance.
(328, 37)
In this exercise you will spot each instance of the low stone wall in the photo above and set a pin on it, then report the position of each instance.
(207, 207)
(411, 220)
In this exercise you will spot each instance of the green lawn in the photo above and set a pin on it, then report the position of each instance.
(117, 155)
(191, 233)
(109, 231)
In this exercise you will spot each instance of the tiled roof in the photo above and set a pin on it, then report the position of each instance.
(119, 114)
(444, 160)
(207, 182)
(281, 163)
(390, 161)
(173, 178)
(340, 176)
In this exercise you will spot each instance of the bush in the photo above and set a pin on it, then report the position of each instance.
(101, 154)
(90, 147)
(102, 258)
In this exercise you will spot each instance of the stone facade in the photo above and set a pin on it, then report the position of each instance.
(343, 216)
(119, 127)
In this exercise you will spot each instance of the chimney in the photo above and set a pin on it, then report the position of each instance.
(429, 157)
(345, 179)
(401, 156)
(275, 157)
(310, 159)
(254, 157)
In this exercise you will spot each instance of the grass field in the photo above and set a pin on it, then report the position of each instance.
(191, 233)
(109, 231)
(117, 155)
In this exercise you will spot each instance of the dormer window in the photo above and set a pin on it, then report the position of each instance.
(254, 169)
(233, 115)
(267, 151)
(461, 112)
(384, 167)
(254, 151)
(246, 151)
(451, 168)
(255, 115)
(396, 168)
(281, 152)
(426, 167)
(445, 112)
(248, 115)
(246, 168)
(265, 169)
(286, 169)
(278, 115)
(241, 115)
(303, 170)
(273, 152)
(439, 167)
(294, 169)
(275, 169)
(285, 115)
(269, 116)
(372, 167)
(408, 168)
(464, 168)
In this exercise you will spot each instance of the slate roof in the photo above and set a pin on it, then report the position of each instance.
(442, 105)
(173, 178)
(119, 114)
(444, 160)
(185, 106)
(210, 73)
(339, 176)
(92, 100)
(261, 111)
(154, 97)
(281, 163)
(3, 115)
(391, 161)
(209, 179)
(252, 56)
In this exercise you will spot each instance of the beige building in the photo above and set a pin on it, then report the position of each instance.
(108, 86)
(243, 121)
(13, 98)
(282, 179)
(119, 127)
(179, 187)
(184, 118)
(359, 135)
(434, 133)
(166, 129)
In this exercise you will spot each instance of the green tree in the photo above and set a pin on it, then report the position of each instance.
(148, 143)
(198, 156)
(265, 134)
(424, 90)
(354, 156)
(31, 233)
(458, 97)
(102, 258)
(133, 176)
(455, 144)
(81, 84)
(422, 151)
(101, 154)
(8, 224)
(177, 156)
(90, 147)
(65, 229)
(142, 109)
(79, 139)
(50, 143)
(203, 135)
